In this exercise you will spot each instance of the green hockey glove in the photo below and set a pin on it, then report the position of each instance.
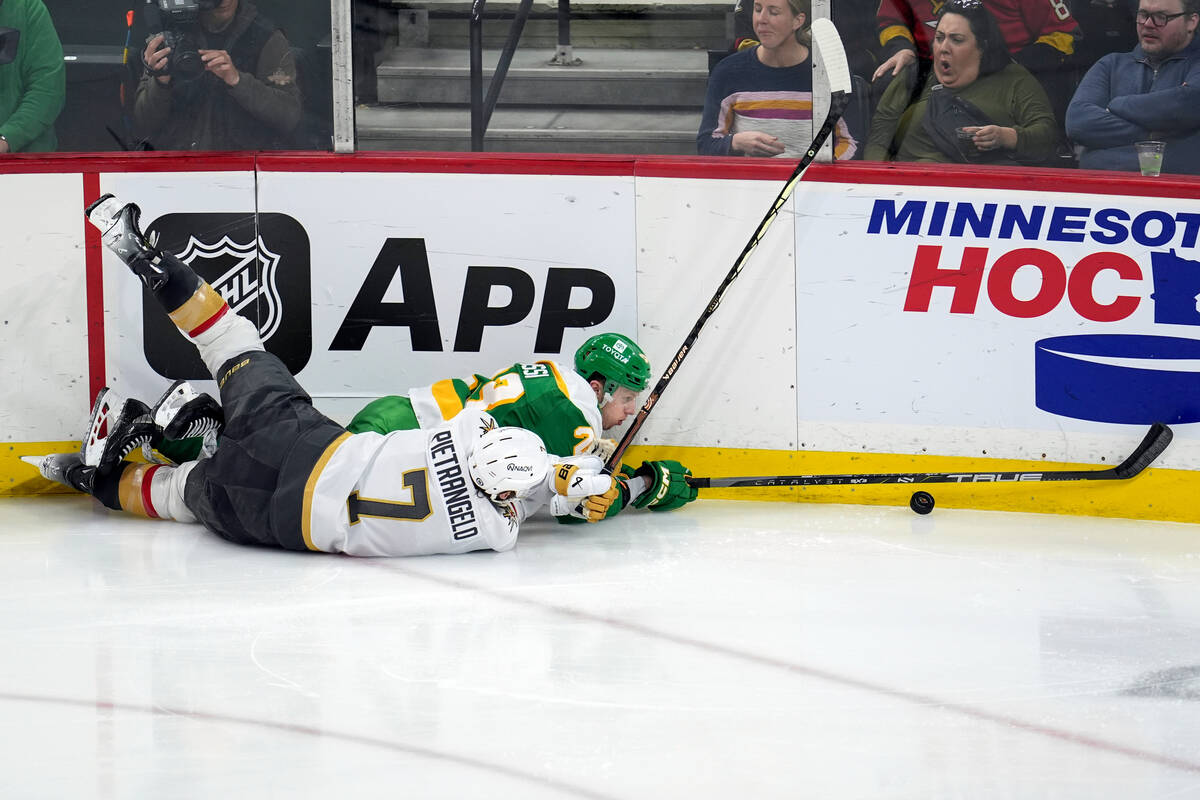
(668, 485)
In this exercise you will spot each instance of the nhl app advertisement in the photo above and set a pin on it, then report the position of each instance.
(394, 281)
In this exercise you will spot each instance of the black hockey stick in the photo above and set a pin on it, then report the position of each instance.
(829, 45)
(1143, 455)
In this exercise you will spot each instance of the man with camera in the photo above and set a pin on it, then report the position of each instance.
(33, 83)
(219, 76)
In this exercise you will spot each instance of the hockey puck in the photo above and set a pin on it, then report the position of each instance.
(921, 502)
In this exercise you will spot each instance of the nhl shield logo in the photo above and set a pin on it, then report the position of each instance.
(250, 278)
(261, 270)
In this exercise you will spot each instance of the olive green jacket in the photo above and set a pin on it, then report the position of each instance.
(1012, 98)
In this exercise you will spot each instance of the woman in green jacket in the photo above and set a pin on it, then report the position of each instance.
(978, 105)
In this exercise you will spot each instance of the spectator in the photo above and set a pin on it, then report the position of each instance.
(245, 97)
(854, 19)
(977, 106)
(1151, 92)
(1039, 34)
(759, 100)
(33, 84)
(1107, 26)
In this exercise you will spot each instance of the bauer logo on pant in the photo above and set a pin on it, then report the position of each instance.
(263, 273)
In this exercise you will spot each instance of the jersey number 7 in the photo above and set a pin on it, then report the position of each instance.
(415, 510)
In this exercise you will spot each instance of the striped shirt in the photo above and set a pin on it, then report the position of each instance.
(746, 95)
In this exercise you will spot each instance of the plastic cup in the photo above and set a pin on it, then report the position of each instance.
(1150, 156)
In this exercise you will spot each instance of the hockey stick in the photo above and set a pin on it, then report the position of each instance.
(1143, 455)
(829, 45)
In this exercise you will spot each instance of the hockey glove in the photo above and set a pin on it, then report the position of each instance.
(592, 508)
(605, 448)
(597, 506)
(582, 489)
(668, 486)
(578, 476)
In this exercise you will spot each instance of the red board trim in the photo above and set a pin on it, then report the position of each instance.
(93, 263)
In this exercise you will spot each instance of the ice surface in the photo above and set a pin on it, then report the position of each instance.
(726, 650)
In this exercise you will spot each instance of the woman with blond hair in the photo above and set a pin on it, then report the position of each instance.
(759, 100)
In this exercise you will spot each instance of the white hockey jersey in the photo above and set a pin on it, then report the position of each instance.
(404, 494)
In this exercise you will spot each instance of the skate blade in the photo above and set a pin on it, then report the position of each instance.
(98, 426)
(172, 400)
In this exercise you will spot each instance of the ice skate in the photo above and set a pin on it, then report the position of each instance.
(116, 429)
(118, 225)
(65, 468)
(183, 413)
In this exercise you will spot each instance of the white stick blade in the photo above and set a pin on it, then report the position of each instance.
(833, 55)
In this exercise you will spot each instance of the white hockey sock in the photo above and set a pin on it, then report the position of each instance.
(218, 333)
(166, 492)
(229, 336)
(155, 491)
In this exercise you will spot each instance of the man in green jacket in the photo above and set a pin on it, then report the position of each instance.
(33, 84)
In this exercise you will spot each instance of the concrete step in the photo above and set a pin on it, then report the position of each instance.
(531, 130)
(589, 30)
(445, 23)
(604, 77)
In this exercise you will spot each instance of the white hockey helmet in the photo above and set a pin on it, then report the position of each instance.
(508, 463)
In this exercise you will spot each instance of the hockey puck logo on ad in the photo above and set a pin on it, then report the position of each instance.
(262, 271)
(1119, 378)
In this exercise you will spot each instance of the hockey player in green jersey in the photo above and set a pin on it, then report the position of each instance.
(567, 408)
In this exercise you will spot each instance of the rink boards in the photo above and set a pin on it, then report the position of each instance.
(890, 320)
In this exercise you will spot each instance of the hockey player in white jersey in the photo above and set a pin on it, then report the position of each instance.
(287, 476)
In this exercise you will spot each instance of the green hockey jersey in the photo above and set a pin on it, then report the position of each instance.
(552, 401)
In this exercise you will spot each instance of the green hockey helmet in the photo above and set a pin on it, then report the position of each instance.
(616, 359)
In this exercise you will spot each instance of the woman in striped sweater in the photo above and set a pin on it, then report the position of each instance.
(759, 100)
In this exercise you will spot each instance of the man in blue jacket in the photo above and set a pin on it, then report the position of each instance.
(1151, 92)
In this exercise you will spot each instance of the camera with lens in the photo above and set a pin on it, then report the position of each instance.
(179, 23)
